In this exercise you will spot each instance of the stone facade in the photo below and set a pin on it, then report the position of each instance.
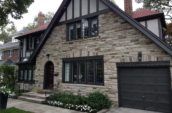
(117, 41)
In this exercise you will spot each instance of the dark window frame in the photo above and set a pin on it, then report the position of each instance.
(90, 20)
(84, 60)
(21, 78)
(29, 43)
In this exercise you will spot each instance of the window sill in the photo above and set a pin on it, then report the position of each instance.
(84, 85)
(81, 40)
(26, 82)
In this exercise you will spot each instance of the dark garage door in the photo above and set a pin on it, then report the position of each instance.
(145, 86)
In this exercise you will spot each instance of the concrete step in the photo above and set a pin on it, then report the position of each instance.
(35, 95)
(30, 99)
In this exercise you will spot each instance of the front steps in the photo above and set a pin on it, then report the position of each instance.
(33, 97)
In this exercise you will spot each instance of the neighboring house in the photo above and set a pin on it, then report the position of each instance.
(92, 45)
(10, 53)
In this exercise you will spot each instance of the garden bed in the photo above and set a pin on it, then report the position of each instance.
(92, 103)
(14, 110)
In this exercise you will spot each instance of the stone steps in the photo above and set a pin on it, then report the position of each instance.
(30, 99)
(33, 97)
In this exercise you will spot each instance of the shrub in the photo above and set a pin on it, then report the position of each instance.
(98, 101)
(7, 79)
(67, 98)
(93, 103)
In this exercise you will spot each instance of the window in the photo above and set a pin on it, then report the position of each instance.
(21, 75)
(94, 27)
(11, 53)
(25, 74)
(83, 29)
(29, 43)
(83, 71)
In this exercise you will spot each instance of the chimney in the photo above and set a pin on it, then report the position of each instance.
(41, 19)
(128, 6)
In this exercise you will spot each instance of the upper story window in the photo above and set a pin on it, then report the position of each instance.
(84, 28)
(29, 44)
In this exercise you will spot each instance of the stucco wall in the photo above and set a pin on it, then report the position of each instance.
(118, 41)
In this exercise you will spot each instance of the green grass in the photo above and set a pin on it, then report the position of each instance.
(13, 110)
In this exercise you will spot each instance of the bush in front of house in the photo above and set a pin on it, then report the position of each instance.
(98, 101)
(93, 103)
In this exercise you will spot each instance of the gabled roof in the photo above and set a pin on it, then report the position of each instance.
(117, 11)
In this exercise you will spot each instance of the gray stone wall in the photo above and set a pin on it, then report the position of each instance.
(118, 41)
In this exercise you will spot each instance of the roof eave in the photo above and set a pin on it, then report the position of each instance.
(25, 35)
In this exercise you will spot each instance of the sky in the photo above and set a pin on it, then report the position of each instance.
(46, 6)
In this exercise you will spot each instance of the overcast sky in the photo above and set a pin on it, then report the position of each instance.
(51, 6)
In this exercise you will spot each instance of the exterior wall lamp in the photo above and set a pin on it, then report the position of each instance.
(140, 56)
(48, 56)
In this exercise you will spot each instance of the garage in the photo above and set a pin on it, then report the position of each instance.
(145, 85)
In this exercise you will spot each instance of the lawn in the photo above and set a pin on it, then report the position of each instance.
(13, 110)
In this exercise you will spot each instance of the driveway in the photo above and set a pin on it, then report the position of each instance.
(128, 110)
(37, 108)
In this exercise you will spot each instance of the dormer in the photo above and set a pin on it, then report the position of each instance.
(151, 19)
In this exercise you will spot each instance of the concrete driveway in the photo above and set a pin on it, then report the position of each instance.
(128, 110)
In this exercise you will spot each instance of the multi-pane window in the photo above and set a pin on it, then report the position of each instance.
(84, 28)
(25, 74)
(29, 43)
(83, 71)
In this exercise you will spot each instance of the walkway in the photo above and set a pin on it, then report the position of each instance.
(37, 108)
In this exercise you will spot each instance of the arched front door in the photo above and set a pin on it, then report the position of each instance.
(49, 75)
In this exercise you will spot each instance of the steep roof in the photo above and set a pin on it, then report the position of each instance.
(29, 32)
(117, 11)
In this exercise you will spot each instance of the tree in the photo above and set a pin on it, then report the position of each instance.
(169, 29)
(12, 8)
(6, 32)
(34, 24)
(160, 5)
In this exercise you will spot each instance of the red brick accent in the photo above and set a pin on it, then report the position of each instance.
(41, 19)
(128, 6)
(14, 56)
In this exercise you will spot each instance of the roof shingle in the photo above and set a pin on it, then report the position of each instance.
(144, 13)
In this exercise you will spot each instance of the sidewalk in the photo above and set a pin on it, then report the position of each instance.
(37, 108)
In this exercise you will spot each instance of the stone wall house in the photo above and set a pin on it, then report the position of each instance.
(104, 50)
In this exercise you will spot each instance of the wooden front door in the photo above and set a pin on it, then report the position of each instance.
(49, 75)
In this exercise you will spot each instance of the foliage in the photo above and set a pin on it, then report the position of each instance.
(68, 98)
(7, 79)
(14, 110)
(168, 38)
(160, 5)
(13, 8)
(34, 24)
(169, 29)
(93, 103)
(6, 32)
(98, 101)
